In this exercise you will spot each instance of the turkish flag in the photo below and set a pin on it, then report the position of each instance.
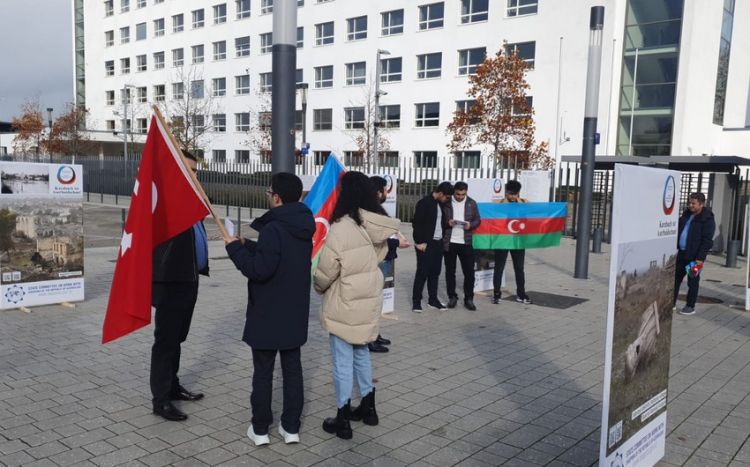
(164, 203)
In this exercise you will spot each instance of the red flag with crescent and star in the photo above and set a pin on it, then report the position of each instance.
(165, 202)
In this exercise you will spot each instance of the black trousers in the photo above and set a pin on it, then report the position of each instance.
(679, 275)
(174, 302)
(465, 254)
(429, 264)
(497, 278)
(260, 399)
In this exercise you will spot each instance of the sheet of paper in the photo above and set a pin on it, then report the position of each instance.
(229, 225)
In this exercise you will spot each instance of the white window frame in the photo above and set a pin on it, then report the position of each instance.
(467, 159)
(468, 68)
(194, 86)
(431, 23)
(240, 49)
(159, 27)
(216, 90)
(141, 4)
(241, 156)
(109, 8)
(391, 29)
(356, 73)
(516, 8)
(320, 81)
(320, 38)
(266, 7)
(220, 18)
(420, 157)
(385, 118)
(109, 98)
(178, 23)
(125, 66)
(265, 82)
(242, 85)
(242, 13)
(468, 15)
(178, 91)
(177, 62)
(322, 125)
(109, 38)
(141, 63)
(141, 94)
(352, 120)
(199, 18)
(124, 6)
(423, 71)
(198, 53)
(125, 35)
(530, 62)
(220, 50)
(159, 64)
(109, 68)
(219, 155)
(423, 121)
(144, 30)
(242, 121)
(388, 76)
(219, 122)
(266, 43)
(300, 37)
(160, 96)
(353, 33)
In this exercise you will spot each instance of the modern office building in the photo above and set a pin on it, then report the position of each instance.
(675, 73)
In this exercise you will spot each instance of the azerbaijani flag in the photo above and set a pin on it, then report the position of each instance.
(517, 226)
(322, 199)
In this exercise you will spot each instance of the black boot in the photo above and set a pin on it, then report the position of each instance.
(366, 410)
(496, 298)
(340, 424)
(382, 340)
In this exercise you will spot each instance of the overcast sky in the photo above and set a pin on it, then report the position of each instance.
(36, 58)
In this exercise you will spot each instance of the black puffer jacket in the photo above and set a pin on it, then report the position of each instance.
(277, 267)
(700, 238)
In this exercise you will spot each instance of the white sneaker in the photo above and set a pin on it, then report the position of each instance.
(289, 438)
(259, 440)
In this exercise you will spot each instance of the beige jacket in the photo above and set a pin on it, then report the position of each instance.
(349, 278)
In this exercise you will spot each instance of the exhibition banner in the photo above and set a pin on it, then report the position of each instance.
(388, 268)
(485, 190)
(645, 216)
(536, 185)
(41, 234)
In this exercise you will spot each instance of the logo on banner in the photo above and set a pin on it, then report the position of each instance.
(66, 175)
(388, 184)
(497, 186)
(15, 294)
(668, 197)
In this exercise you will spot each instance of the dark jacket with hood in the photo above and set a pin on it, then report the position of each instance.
(700, 238)
(425, 219)
(277, 267)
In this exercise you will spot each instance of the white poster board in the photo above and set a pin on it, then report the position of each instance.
(41, 234)
(747, 275)
(535, 185)
(639, 317)
(388, 268)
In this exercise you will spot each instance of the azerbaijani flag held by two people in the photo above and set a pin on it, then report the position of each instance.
(516, 226)
(322, 199)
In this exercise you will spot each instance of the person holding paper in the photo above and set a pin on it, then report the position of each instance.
(694, 240)
(177, 264)
(463, 217)
(277, 267)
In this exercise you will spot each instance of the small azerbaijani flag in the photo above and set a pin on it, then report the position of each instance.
(517, 226)
(322, 199)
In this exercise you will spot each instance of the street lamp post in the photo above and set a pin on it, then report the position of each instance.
(303, 101)
(125, 98)
(588, 152)
(376, 117)
(49, 138)
(284, 64)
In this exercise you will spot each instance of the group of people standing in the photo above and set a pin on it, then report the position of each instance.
(277, 266)
(443, 225)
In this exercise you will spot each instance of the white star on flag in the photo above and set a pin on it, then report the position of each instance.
(127, 240)
(135, 188)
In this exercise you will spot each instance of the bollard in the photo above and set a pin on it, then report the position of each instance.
(124, 217)
(733, 247)
(596, 243)
(101, 197)
(115, 198)
(227, 211)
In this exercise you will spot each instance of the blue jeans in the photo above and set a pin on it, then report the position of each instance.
(350, 361)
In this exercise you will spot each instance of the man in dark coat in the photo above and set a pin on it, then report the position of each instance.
(428, 225)
(694, 240)
(277, 267)
(177, 263)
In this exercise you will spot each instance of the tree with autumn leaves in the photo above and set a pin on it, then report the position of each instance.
(68, 136)
(29, 129)
(500, 116)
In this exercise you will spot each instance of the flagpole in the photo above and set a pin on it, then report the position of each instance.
(217, 219)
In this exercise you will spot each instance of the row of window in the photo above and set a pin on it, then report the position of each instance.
(242, 8)
(420, 159)
(431, 16)
(429, 66)
(426, 115)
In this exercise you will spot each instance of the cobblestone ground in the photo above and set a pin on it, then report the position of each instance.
(508, 384)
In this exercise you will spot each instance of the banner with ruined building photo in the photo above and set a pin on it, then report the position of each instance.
(41, 234)
(639, 317)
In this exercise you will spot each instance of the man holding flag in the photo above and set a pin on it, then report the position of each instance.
(167, 205)
(512, 195)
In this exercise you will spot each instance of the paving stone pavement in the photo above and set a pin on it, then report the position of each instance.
(509, 384)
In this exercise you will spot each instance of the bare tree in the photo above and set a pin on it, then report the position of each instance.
(360, 121)
(259, 132)
(189, 111)
(68, 136)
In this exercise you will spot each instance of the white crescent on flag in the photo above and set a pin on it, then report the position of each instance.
(512, 229)
(326, 225)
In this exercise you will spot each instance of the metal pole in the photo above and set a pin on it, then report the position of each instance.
(125, 121)
(609, 99)
(632, 105)
(557, 108)
(283, 85)
(376, 117)
(588, 153)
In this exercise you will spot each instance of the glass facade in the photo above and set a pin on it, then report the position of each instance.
(649, 77)
(80, 59)
(722, 73)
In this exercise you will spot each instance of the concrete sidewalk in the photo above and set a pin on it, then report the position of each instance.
(508, 384)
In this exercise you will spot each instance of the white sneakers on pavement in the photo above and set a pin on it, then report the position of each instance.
(259, 440)
(289, 438)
